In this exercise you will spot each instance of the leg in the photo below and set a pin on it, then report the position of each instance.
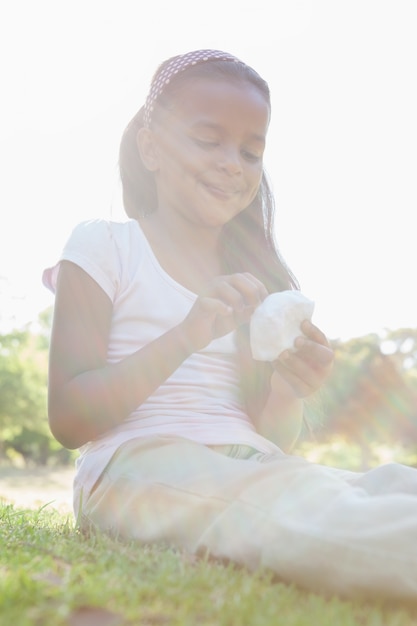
(324, 529)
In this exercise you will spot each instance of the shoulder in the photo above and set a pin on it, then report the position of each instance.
(102, 240)
(100, 247)
(102, 229)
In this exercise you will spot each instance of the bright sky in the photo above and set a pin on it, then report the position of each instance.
(342, 151)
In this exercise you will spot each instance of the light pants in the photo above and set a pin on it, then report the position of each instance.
(325, 529)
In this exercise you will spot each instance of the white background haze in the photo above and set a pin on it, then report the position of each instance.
(342, 147)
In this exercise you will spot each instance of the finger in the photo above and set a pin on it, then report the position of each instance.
(316, 354)
(215, 306)
(301, 385)
(223, 291)
(314, 333)
(260, 292)
(252, 290)
(310, 372)
(242, 292)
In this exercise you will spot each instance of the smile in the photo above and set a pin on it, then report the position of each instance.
(224, 192)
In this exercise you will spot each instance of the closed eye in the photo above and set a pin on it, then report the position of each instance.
(251, 156)
(211, 144)
(205, 143)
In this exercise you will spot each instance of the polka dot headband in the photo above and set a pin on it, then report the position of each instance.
(175, 66)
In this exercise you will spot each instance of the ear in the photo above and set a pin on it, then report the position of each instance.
(147, 148)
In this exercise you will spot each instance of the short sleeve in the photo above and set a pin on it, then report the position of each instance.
(92, 247)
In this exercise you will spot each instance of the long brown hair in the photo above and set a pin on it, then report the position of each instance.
(247, 242)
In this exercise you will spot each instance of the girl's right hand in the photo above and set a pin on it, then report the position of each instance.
(226, 303)
(87, 395)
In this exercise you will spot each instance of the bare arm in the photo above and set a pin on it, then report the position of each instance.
(86, 395)
(296, 375)
(281, 419)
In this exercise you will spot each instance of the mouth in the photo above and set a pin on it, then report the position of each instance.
(221, 191)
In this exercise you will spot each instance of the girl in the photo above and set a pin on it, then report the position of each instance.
(184, 437)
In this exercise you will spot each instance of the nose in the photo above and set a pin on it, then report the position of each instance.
(230, 160)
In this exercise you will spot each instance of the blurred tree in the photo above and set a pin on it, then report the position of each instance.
(371, 396)
(24, 430)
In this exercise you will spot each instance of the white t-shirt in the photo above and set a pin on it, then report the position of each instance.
(200, 400)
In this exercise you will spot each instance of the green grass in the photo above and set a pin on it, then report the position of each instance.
(50, 574)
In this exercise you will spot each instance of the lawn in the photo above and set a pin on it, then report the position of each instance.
(50, 574)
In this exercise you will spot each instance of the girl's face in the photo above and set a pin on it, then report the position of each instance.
(208, 150)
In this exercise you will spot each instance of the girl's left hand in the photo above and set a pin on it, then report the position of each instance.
(306, 368)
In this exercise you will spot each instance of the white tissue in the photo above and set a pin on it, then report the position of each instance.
(275, 324)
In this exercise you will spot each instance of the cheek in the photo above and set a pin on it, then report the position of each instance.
(185, 164)
(256, 178)
(177, 150)
(255, 183)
